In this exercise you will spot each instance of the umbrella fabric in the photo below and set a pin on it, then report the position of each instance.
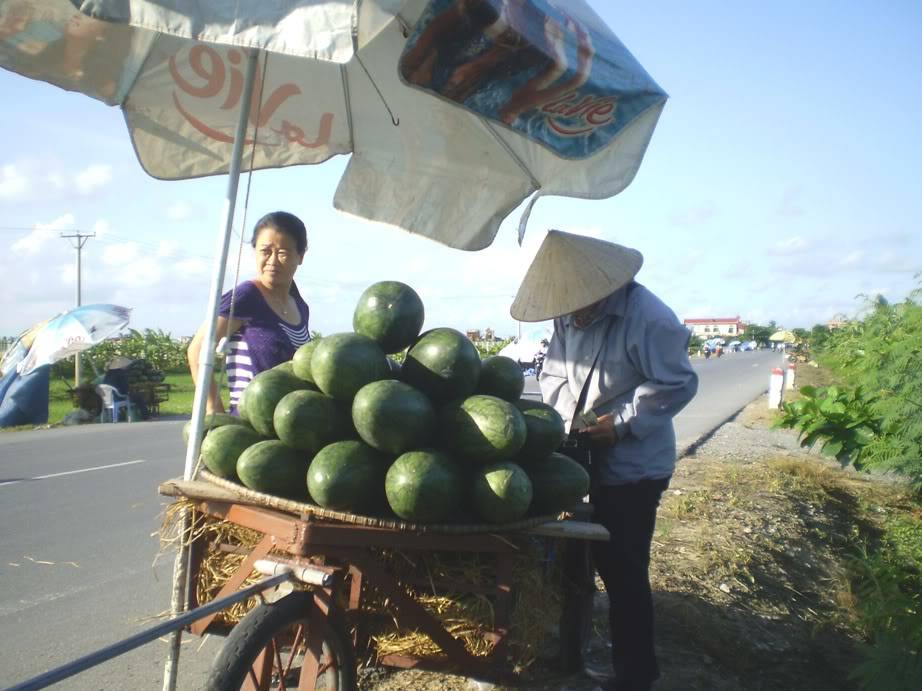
(20, 348)
(72, 332)
(24, 399)
(783, 336)
(503, 123)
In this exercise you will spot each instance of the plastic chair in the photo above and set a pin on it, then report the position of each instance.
(113, 402)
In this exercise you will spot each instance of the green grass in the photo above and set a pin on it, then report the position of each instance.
(182, 392)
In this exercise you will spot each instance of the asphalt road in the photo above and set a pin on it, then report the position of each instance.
(79, 513)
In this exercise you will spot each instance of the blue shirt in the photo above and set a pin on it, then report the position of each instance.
(643, 377)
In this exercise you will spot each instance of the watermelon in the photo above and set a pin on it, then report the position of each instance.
(558, 482)
(443, 364)
(502, 377)
(392, 416)
(423, 486)
(343, 363)
(309, 420)
(213, 421)
(546, 430)
(263, 393)
(348, 476)
(224, 445)
(287, 367)
(274, 468)
(301, 362)
(482, 429)
(501, 492)
(391, 314)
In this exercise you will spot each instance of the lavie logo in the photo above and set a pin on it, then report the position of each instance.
(572, 115)
(216, 76)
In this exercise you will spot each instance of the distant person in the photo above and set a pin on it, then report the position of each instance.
(618, 351)
(270, 320)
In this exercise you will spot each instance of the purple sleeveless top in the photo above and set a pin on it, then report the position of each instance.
(263, 341)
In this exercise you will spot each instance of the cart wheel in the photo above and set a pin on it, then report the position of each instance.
(267, 649)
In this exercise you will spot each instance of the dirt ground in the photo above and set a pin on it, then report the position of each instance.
(748, 571)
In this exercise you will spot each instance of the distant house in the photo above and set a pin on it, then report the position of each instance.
(710, 327)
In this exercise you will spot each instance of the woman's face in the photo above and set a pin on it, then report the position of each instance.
(277, 258)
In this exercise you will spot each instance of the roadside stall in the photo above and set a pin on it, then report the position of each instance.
(505, 101)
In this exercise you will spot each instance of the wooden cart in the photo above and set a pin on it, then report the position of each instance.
(301, 640)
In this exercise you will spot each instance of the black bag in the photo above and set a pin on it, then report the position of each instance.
(577, 447)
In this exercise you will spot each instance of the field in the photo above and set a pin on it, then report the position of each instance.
(182, 392)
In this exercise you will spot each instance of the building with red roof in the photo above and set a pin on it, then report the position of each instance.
(711, 327)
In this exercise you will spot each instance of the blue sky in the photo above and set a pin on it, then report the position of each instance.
(782, 181)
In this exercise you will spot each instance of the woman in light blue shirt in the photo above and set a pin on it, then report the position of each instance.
(617, 371)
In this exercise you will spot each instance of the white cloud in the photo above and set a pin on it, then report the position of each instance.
(790, 246)
(42, 233)
(790, 206)
(192, 267)
(93, 177)
(694, 215)
(15, 184)
(120, 254)
(166, 248)
(179, 211)
(102, 228)
(894, 262)
(852, 260)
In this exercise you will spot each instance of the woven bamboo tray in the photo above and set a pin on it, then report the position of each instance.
(313, 511)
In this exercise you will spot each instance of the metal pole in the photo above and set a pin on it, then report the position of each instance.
(79, 279)
(81, 241)
(206, 362)
(104, 654)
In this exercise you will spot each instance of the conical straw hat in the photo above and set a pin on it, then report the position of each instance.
(570, 272)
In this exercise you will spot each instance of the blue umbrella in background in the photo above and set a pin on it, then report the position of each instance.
(25, 368)
(73, 332)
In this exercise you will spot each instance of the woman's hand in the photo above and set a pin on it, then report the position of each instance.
(603, 432)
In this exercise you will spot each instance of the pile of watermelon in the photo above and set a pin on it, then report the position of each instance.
(444, 437)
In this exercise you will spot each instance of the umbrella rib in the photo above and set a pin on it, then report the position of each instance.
(394, 120)
(512, 154)
(348, 99)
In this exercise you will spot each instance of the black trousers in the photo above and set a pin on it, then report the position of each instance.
(623, 563)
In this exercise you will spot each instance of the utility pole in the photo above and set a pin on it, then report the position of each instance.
(81, 239)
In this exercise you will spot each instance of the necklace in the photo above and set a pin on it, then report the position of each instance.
(282, 307)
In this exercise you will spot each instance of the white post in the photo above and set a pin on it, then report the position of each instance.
(776, 388)
(206, 363)
(789, 375)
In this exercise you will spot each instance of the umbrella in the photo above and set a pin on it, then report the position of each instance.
(784, 336)
(427, 108)
(525, 348)
(72, 332)
(20, 348)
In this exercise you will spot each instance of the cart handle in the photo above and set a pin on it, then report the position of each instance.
(104, 654)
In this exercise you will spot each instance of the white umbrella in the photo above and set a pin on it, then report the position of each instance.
(337, 76)
(73, 332)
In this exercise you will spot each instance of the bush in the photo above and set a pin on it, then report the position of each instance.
(880, 353)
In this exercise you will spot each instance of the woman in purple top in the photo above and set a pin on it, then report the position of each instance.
(270, 318)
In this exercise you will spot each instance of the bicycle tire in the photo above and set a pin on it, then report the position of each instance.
(269, 624)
